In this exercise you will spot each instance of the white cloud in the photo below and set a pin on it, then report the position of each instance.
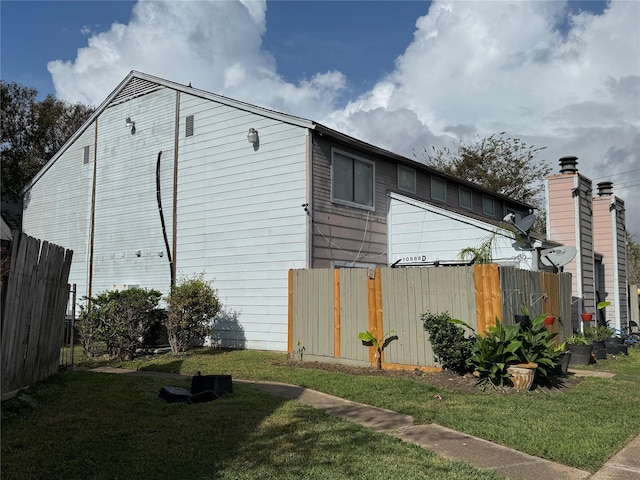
(570, 83)
(530, 68)
(214, 45)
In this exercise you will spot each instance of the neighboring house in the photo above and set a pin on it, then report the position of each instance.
(246, 194)
(595, 226)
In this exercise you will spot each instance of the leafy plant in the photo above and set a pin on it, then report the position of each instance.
(504, 345)
(537, 347)
(452, 349)
(495, 351)
(524, 310)
(193, 305)
(597, 334)
(480, 254)
(120, 318)
(370, 340)
(577, 339)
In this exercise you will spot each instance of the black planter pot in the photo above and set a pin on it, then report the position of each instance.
(562, 365)
(599, 350)
(523, 320)
(613, 344)
(580, 354)
(618, 349)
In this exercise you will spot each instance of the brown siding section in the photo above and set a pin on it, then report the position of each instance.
(351, 236)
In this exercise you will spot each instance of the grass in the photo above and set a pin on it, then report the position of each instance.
(582, 427)
(85, 425)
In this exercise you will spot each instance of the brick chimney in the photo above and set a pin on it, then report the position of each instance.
(569, 222)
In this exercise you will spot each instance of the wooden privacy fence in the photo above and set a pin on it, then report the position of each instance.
(328, 308)
(34, 312)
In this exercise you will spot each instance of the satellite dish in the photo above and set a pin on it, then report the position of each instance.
(525, 224)
(522, 228)
(557, 256)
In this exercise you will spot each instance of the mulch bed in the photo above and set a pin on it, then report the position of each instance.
(446, 379)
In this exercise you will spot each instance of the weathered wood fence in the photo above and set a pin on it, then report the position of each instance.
(34, 312)
(328, 308)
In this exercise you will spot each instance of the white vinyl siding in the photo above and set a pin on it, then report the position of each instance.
(57, 208)
(422, 232)
(352, 180)
(240, 220)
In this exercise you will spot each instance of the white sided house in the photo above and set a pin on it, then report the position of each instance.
(165, 181)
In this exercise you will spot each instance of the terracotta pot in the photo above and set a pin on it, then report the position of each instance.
(549, 320)
(586, 317)
(522, 375)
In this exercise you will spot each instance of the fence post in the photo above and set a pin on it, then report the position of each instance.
(290, 313)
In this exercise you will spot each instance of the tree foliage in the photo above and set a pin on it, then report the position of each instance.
(498, 163)
(120, 318)
(193, 306)
(32, 132)
(633, 260)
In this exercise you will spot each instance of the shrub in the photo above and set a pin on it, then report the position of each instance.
(120, 318)
(193, 305)
(450, 346)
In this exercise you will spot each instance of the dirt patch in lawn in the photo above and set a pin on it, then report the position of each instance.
(446, 379)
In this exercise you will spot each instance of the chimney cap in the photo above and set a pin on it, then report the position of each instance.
(605, 188)
(568, 164)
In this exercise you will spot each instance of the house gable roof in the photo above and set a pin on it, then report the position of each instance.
(137, 84)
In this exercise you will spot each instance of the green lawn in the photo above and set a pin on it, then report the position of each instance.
(86, 425)
(581, 427)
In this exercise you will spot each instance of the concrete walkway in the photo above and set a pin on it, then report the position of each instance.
(447, 443)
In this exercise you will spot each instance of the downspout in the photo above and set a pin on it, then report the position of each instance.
(93, 210)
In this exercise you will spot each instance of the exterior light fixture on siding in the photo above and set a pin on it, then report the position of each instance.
(132, 124)
(252, 136)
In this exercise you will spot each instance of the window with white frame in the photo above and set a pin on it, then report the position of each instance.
(438, 189)
(466, 198)
(488, 206)
(86, 155)
(352, 180)
(406, 179)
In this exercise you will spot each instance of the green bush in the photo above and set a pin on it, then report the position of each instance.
(193, 305)
(120, 318)
(451, 348)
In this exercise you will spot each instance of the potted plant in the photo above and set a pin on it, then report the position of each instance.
(523, 318)
(549, 319)
(597, 336)
(580, 349)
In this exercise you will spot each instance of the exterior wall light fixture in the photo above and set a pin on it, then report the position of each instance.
(252, 136)
(130, 123)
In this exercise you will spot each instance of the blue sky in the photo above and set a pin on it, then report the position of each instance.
(401, 75)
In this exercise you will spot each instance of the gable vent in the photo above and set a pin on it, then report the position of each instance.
(189, 126)
(135, 88)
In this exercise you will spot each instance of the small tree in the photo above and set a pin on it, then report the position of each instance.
(370, 340)
(193, 305)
